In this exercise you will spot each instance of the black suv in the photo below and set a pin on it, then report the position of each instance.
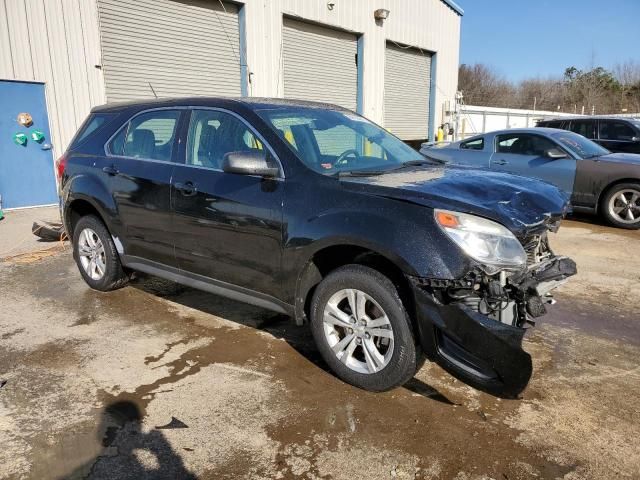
(615, 134)
(315, 212)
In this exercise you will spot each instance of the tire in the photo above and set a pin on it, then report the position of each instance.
(397, 357)
(106, 272)
(616, 212)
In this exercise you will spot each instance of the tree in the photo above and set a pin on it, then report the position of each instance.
(595, 88)
(481, 85)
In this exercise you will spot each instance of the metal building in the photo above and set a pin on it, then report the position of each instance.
(399, 71)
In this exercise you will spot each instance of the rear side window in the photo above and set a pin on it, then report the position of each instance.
(583, 127)
(616, 131)
(93, 122)
(150, 135)
(477, 144)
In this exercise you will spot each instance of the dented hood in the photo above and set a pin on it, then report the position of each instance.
(521, 204)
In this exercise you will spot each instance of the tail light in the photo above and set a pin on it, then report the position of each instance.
(61, 164)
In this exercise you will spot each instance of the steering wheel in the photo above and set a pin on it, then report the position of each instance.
(342, 158)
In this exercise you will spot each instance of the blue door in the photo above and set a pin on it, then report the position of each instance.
(26, 171)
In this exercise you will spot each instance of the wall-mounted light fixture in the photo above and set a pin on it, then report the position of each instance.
(381, 14)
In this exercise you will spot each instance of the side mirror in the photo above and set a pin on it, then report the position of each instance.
(555, 154)
(249, 163)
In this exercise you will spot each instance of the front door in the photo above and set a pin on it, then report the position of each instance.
(228, 227)
(524, 154)
(141, 164)
(618, 136)
(26, 164)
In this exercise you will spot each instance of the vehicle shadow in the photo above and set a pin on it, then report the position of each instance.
(279, 325)
(128, 452)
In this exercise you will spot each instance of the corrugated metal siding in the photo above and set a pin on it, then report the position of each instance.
(181, 48)
(429, 24)
(407, 80)
(55, 42)
(319, 64)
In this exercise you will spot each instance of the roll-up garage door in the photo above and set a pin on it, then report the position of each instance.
(178, 48)
(320, 64)
(407, 82)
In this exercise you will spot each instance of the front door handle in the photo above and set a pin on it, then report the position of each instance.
(111, 170)
(188, 189)
(500, 162)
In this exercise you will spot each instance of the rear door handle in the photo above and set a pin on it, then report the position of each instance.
(500, 162)
(188, 189)
(111, 170)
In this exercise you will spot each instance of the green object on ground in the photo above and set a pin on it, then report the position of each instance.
(1, 214)
(20, 139)
(37, 136)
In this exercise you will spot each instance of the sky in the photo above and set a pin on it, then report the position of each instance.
(540, 38)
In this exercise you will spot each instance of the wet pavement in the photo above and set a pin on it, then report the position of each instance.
(161, 381)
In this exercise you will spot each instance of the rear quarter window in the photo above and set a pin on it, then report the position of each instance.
(476, 144)
(92, 124)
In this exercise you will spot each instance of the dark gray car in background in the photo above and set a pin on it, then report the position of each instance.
(615, 134)
(596, 180)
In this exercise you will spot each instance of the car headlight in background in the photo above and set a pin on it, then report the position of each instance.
(487, 242)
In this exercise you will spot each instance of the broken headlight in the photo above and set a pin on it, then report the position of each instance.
(487, 242)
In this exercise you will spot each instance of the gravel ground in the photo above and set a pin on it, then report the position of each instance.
(161, 381)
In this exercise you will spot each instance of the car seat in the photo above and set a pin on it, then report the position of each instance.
(143, 144)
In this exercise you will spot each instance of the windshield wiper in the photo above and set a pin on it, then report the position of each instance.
(358, 173)
(417, 163)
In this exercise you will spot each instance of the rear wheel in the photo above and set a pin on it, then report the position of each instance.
(362, 329)
(621, 206)
(96, 255)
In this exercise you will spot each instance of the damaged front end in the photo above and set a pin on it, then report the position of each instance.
(474, 326)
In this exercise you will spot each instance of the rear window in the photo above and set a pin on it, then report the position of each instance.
(550, 123)
(93, 122)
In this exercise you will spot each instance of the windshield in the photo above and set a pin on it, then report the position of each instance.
(581, 146)
(330, 141)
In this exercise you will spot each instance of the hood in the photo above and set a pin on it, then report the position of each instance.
(628, 158)
(521, 204)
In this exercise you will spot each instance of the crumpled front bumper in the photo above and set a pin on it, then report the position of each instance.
(474, 348)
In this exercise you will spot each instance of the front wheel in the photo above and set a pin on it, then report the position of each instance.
(362, 329)
(621, 206)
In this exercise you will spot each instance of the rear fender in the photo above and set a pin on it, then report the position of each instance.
(87, 189)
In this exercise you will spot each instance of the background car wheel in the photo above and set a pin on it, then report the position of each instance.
(96, 255)
(621, 206)
(362, 329)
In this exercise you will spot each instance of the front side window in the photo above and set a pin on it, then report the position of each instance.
(523, 144)
(620, 131)
(477, 144)
(149, 136)
(582, 127)
(330, 141)
(213, 134)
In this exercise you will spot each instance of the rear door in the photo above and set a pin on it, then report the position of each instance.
(524, 154)
(618, 136)
(142, 154)
(228, 226)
